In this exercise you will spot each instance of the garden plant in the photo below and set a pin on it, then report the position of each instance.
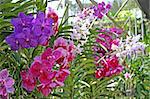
(42, 56)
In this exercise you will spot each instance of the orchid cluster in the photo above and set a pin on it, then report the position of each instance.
(110, 67)
(131, 46)
(81, 27)
(6, 84)
(107, 64)
(101, 9)
(32, 31)
(106, 39)
(84, 21)
(50, 69)
(50, 13)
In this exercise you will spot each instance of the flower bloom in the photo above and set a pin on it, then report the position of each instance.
(101, 9)
(83, 21)
(127, 75)
(28, 81)
(129, 47)
(108, 38)
(30, 31)
(107, 64)
(6, 83)
(50, 13)
(109, 67)
(81, 27)
(51, 68)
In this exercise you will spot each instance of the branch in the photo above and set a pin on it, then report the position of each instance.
(93, 2)
(79, 4)
(123, 5)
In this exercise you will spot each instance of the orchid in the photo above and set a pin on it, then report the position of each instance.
(50, 13)
(29, 31)
(6, 83)
(108, 39)
(84, 20)
(127, 75)
(88, 52)
(67, 48)
(131, 46)
(28, 81)
(50, 68)
(108, 65)
(22, 21)
(42, 25)
(101, 9)
(109, 68)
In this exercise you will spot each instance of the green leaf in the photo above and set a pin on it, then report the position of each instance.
(67, 27)
(62, 20)
(85, 83)
(8, 5)
(4, 24)
(24, 6)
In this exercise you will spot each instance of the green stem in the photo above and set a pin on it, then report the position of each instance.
(64, 14)
(92, 23)
(123, 5)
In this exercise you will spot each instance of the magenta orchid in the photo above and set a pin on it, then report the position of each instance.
(108, 65)
(28, 80)
(42, 69)
(101, 9)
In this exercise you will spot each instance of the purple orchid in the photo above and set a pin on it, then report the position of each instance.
(12, 41)
(101, 9)
(29, 31)
(42, 25)
(22, 40)
(23, 21)
(6, 83)
(27, 39)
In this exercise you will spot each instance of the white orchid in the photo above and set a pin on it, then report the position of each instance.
(82, 24)
(131, 46)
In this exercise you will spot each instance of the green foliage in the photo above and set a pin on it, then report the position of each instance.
(138, 85)
(81, 84)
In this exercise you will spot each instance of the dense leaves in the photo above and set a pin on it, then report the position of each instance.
(59, 64)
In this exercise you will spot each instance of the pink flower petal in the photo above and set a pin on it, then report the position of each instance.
(4, 74)
(45, 89)
(35, 69)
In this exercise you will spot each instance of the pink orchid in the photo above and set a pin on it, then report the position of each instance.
(110, 67)
(28, 80)
(6, 83)
(45, 89)
(127, 75)
(44, 69)
(60, 42)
